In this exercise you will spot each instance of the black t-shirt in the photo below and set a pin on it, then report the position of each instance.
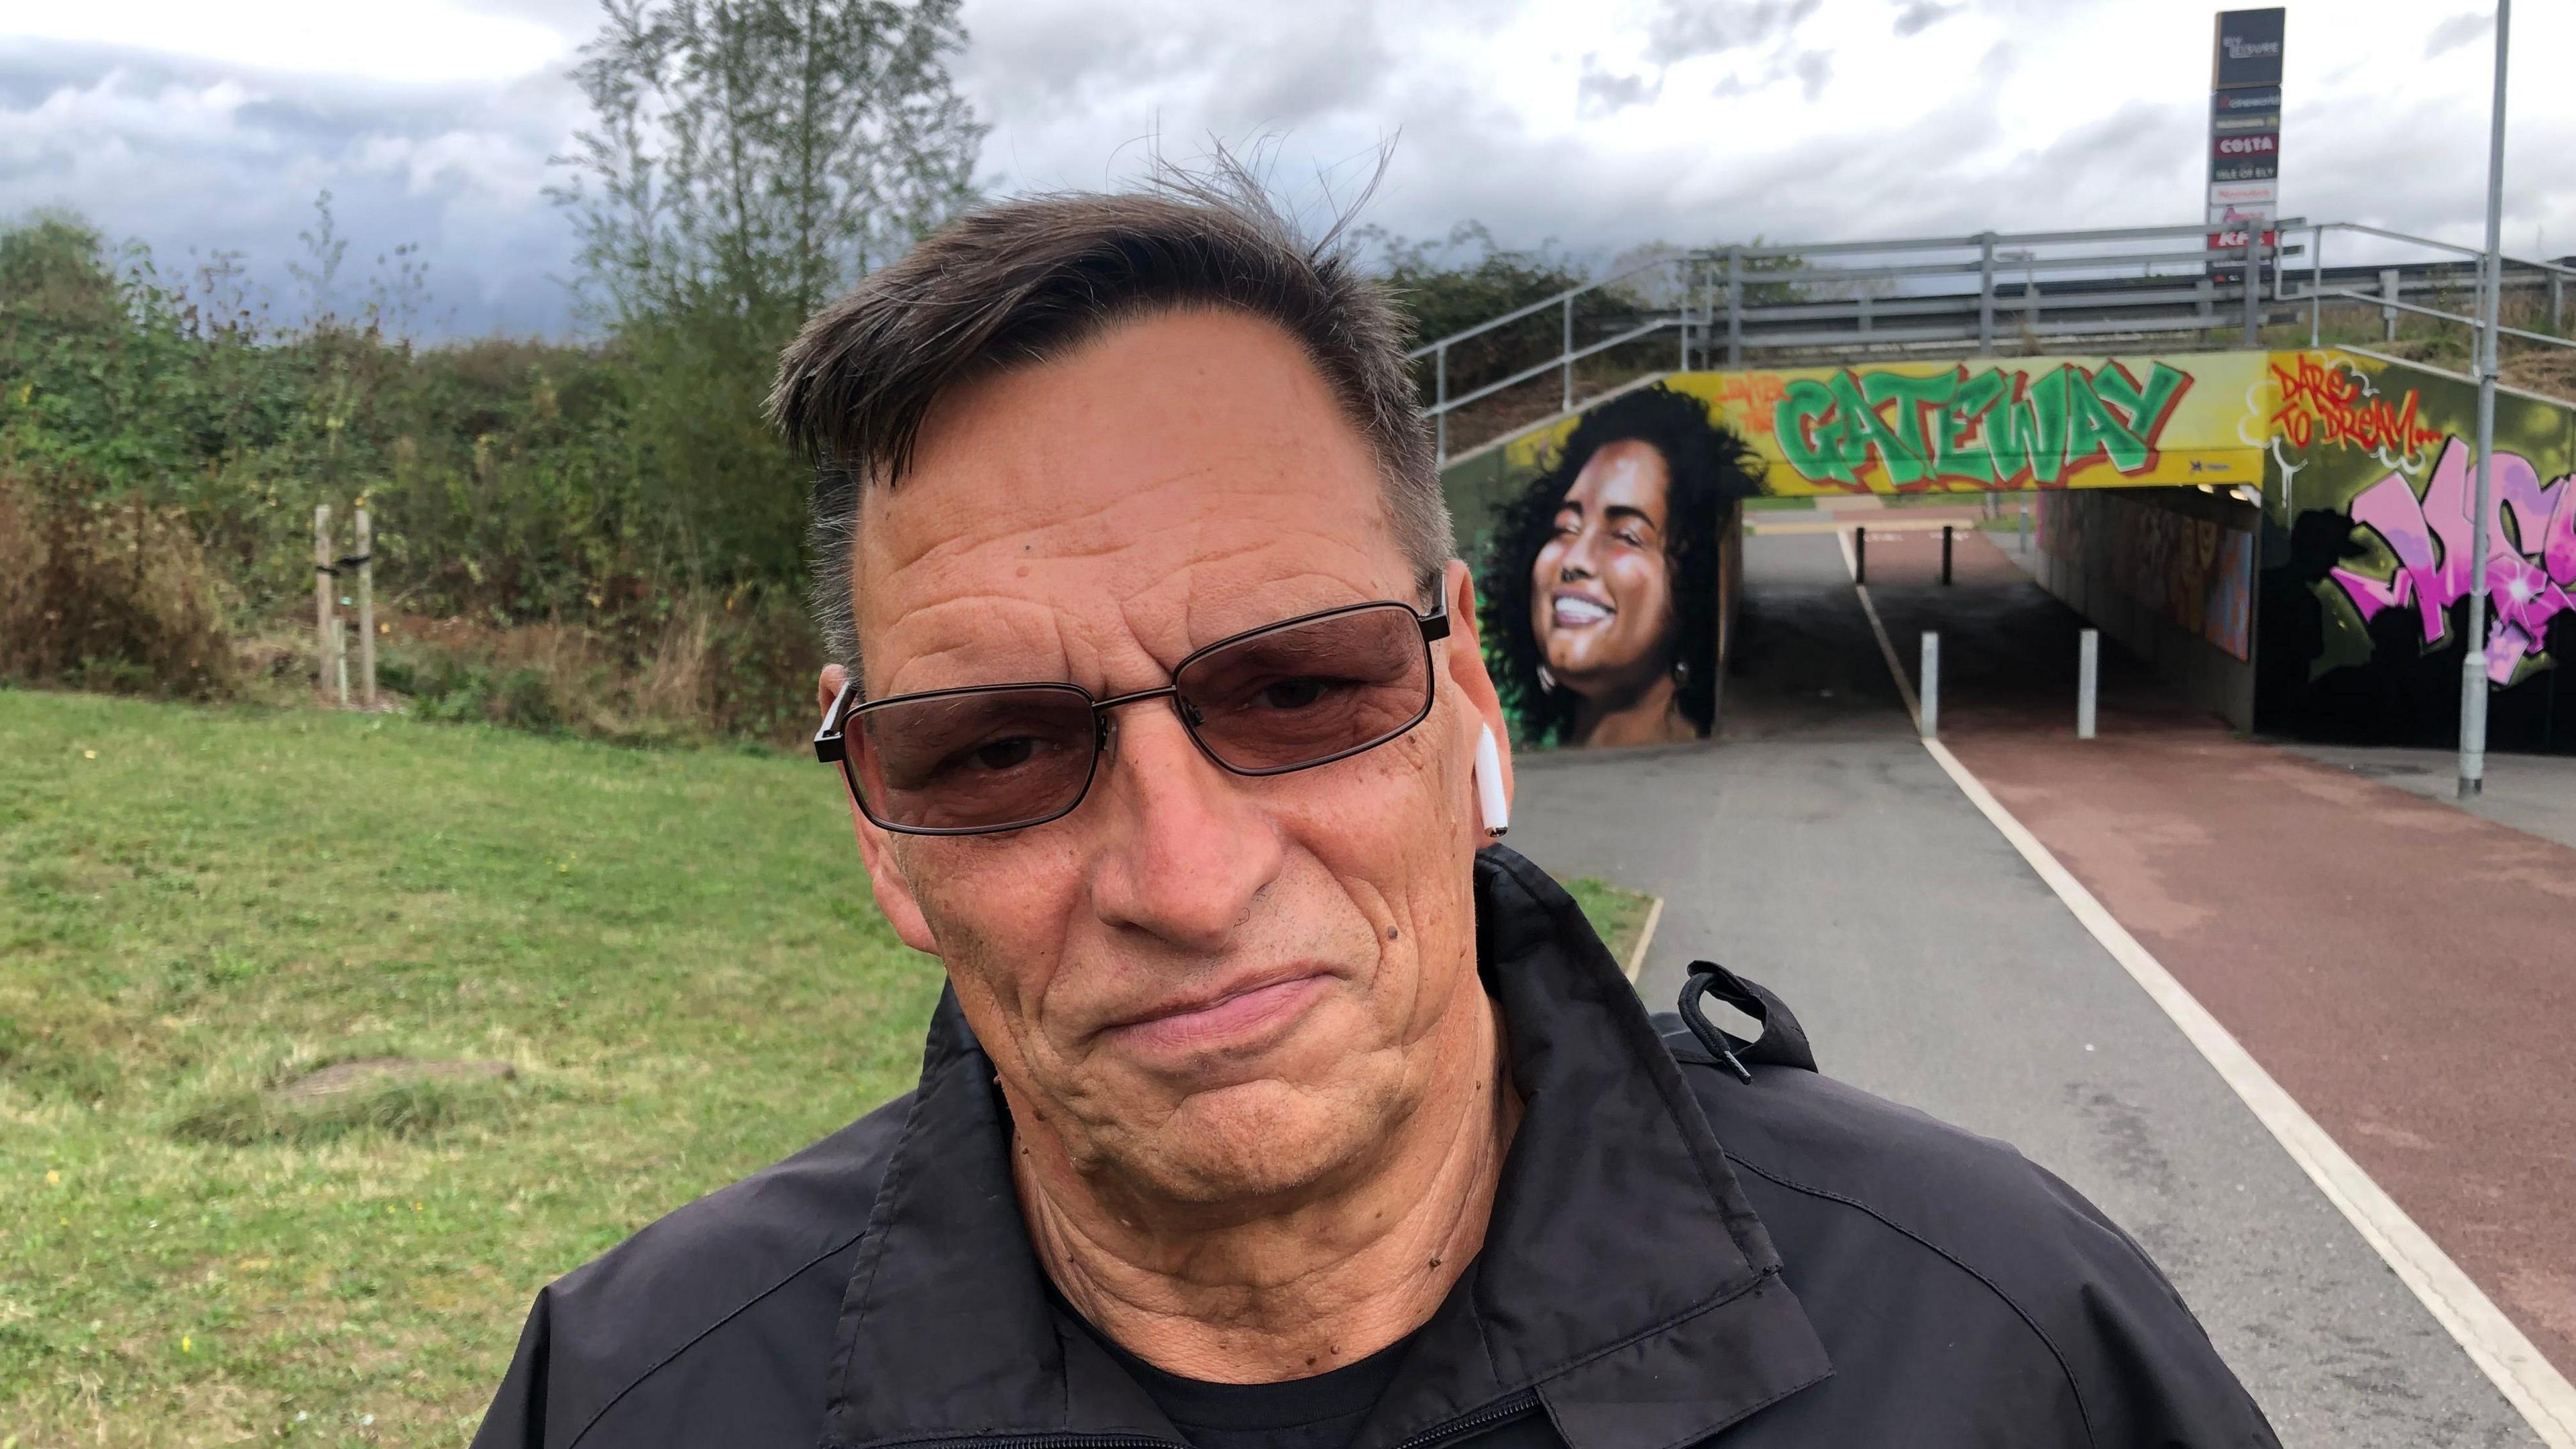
(1323, 1412)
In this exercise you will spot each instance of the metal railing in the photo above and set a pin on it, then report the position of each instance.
(1952, 295)
(2549, 278)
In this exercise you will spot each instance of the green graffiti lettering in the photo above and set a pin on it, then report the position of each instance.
(2034, 444)
(1953, 455)
(1914, 397)
(2092, 429)
(1803, 421)
(2147, 407)
(1996, 428)
(1868, 432)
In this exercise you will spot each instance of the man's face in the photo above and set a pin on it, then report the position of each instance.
(1197, 985)
(1601, 596)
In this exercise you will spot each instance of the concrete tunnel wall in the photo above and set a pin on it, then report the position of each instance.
(2168, 574)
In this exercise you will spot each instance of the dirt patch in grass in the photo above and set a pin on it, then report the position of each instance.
(412, 1100)
(342, 1078)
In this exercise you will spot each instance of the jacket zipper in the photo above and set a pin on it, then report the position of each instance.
(1494, 1413)
(1485, 1418)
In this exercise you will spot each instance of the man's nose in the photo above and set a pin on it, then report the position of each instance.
(1187, 849)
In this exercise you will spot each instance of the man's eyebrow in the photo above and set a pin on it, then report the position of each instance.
(1639, 514)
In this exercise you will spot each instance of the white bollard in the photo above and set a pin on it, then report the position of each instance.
(1931, 708)
(2088, 678)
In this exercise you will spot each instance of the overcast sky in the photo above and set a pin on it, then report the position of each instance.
(1597, 124)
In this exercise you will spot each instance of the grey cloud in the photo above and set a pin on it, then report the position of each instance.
(1307, 73)
(2138, 140)
(2457, 31)
(1812, 68)
(1921, 15)
(1071, 87)
(192, 159)
(1603, 92)
(1686, 29)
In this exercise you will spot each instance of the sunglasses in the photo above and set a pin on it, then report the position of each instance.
(989, 757)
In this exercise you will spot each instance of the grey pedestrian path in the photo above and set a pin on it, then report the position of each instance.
(1820, 850)
(2535, 794)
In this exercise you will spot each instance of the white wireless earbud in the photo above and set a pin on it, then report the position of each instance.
(1489, 784)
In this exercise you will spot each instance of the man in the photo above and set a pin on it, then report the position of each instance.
(1269, 1104)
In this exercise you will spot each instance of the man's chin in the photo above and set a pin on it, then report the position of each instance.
(1253, 1140)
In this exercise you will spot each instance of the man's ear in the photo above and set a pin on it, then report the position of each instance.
(1467, 670)
(876, 846)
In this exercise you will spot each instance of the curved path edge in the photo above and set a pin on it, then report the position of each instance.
(2501, 1351)
(2534, 1386)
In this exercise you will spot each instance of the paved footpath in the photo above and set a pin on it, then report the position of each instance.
(2397, 963)
(1820, 850)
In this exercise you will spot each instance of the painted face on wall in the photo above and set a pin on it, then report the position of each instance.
(1601, 591)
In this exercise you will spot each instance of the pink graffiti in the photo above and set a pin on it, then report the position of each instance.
(2430, 537)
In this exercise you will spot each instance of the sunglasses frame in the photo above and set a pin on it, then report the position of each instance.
(831, 742)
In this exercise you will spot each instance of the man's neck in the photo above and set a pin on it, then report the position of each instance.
(1319, 1283)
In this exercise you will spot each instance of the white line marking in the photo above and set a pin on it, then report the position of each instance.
(1645, 938)
(1886, 650)
(2528, 1381)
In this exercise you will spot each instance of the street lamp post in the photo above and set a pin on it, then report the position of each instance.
(2473, 668)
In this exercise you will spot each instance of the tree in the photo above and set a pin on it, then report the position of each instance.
(755, 157)
(747, 161)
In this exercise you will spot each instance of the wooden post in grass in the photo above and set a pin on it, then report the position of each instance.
(321, 597)
(340, 656)
(366, 611)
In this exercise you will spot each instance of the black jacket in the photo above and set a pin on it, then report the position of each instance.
(1677, 1255)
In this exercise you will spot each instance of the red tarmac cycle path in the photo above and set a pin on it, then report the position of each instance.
(2404, 969)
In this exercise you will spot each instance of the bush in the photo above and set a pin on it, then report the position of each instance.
(115, 597)
(712, 667)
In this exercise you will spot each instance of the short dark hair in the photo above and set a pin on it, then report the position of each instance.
(1710, 467)
(1022, 282)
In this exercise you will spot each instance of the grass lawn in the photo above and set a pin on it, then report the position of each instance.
(674, 953)
(1617, 915)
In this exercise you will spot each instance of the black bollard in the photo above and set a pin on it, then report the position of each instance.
(1860, 555)
(1945, 554)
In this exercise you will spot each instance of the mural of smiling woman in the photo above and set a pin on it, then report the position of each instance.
(1601, 585)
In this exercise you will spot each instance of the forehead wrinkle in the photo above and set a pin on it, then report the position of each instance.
(1028, 628)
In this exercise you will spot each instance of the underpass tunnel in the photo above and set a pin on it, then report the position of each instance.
(2007, 615)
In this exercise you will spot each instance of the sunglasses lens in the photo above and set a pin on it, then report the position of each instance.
(1304, 693)
(981, 760)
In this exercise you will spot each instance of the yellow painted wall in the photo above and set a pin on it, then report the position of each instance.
(1991, 423)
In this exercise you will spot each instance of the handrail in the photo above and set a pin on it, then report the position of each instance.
(2108, 284)
(2348, 293)
(1553, 363)
(2442, 246)
(1707, 255)
(1981, 239)
(1534, 308)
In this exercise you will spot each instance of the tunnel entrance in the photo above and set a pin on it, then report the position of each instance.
(1807, 659)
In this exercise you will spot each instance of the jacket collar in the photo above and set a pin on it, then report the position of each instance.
(1624, 1278)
